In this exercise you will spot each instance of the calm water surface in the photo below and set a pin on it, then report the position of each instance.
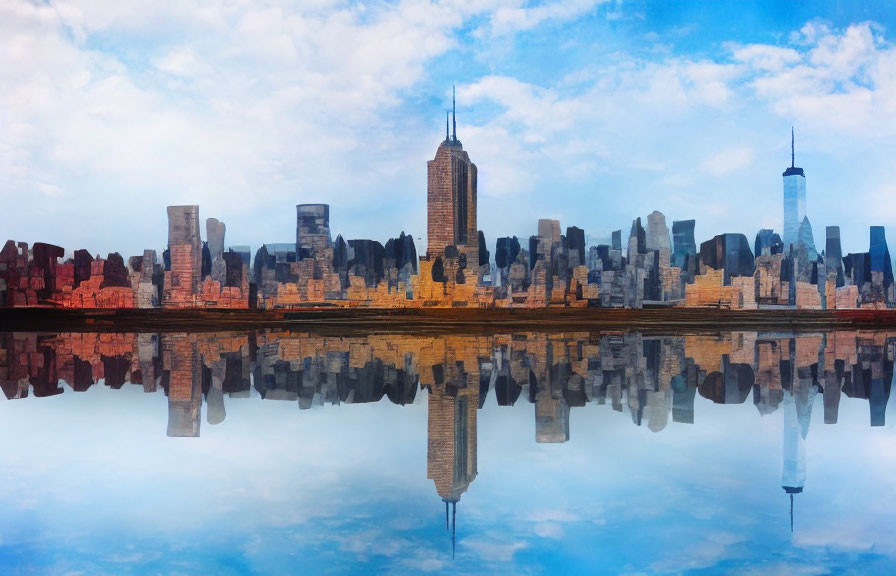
(579, 453)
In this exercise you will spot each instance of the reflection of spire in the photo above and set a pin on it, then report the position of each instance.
(791, 512)
(453, 525)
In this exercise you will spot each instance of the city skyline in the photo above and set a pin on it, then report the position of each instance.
(591, 114)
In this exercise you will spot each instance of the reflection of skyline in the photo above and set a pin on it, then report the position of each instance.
(556, 372)
(651, 376)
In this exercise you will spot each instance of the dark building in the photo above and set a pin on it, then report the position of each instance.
(312, 229)
(767, 242)
(683, 242)
(728, 252)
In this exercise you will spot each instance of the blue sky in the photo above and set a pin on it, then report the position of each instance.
(590, 112)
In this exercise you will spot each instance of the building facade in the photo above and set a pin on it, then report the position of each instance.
(451, 199)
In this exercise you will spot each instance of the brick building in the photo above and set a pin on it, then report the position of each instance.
(185, 252)
(451, 199)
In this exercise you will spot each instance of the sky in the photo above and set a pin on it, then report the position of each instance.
(93, 485)
(591, 112)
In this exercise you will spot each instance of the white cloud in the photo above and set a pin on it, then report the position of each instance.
(727, 161)
(238, 108)
(766, 57)
(518, 18)
(839, 81)
(181, 61)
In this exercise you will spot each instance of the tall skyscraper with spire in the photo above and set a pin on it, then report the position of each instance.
(794, 199)
(451, 196)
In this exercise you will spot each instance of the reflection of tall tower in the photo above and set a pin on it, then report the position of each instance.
(451, 448)
(181, 365)
(793, 476)
(546, 386)
(794, 199)
(451, 198)
(797, 416)
(551, 417)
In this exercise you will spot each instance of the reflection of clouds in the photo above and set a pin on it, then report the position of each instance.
(714, 547)
(781, 569)
(340, 490)
(405, 523)
(549, 523)
(372, 542)
(492, 549)
(848, 535)
(28, 503)
(423, 564)
(552, 514)
(131, 556)
(549, 530)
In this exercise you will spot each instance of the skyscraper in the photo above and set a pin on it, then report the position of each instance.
(184, 275)
(312, 230)
(794, 200)
(451, 197)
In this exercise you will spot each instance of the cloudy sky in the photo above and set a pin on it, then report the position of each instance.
(590, 112)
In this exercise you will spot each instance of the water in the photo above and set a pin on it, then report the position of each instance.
(575, 453)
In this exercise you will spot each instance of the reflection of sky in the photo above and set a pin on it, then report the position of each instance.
(92, 484)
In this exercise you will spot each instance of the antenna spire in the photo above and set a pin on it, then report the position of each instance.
(792, 155)
(453, 114)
